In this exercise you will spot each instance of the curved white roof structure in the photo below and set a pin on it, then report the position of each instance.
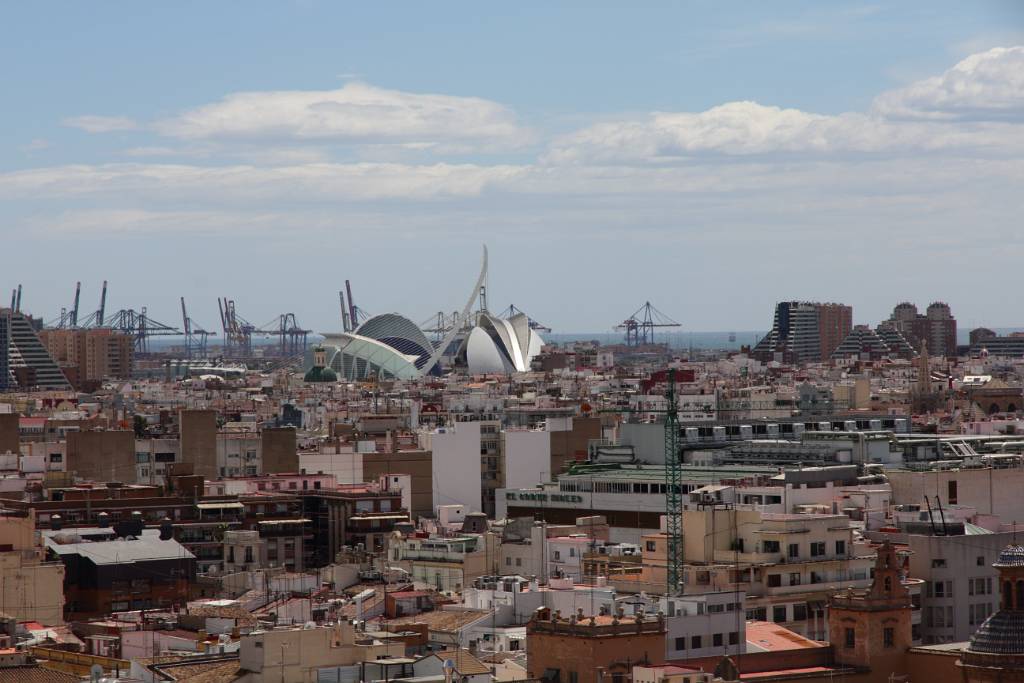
(398, 332)
(496, 345)
(355, 357)
(391, 345)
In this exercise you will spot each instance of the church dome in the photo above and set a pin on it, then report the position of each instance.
(1001, 634)
(1011, 556)
(317, 374)
(320, 372)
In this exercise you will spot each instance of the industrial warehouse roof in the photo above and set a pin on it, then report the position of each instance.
(143, 549)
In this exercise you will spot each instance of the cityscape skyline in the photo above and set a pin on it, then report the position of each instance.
(855, 153)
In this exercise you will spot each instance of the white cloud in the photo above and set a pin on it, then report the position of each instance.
(357, 113)
(331, 182)
(975, 107)
(749, 128)
(988, 86)
(101, 124)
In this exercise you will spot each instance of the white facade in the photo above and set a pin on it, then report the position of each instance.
(707, 625)
(344, 463)
(456, 464)
(527, 458)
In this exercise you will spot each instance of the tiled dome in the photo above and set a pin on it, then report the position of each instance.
(1012, 556)
(1002, 633)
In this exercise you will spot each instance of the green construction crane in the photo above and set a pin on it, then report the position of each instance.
(673, 491)
(673, 487)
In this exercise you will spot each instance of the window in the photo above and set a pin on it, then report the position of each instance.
(681, 643)
(951, 492)
(794, 550)
(734, 638)
(574, 677)
(508, 561)
(717, 640)
(817, 549)
(779, 613)
(794, 578)
(757, 614)
(851, 639)
(770, 546)
(56, 457)
(519, 562)
(695, 643)
(774, 580)
(981, 560)
(558, 555)
(938, 564)
(650, 546)
(800, 612)
(840, 548)
(889, 636)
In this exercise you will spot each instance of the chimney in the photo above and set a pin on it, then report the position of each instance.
(166, 529)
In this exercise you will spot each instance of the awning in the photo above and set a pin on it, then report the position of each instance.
(220, 506)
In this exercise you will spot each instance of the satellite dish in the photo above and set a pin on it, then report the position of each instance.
(449, 665)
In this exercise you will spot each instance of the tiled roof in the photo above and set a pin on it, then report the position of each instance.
(211, 671)
(465, 663)
(1002, 633)
(1012, 556)
(34, 673)
(448, 621)
(242, 616)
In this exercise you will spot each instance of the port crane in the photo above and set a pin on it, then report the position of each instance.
(237, 330)
(68, 317)
(639, 327)
(291, 337)
(139, 326)
(534, 325)
(195, 335)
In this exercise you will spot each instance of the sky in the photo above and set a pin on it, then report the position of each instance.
(710, 157)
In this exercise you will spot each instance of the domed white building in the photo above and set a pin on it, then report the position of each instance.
(499, 345)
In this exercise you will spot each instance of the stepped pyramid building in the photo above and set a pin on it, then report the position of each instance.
(24, 361)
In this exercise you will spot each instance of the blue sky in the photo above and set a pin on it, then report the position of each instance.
(712, 157)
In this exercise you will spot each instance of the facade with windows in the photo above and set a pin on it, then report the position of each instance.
(786, 564)
(961, 588)
(705, 625)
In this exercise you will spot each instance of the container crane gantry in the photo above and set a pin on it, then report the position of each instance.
(291, 337)
(195, 335)
(639, 327)
(139, 326)
(68, 318)
(237, 330)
